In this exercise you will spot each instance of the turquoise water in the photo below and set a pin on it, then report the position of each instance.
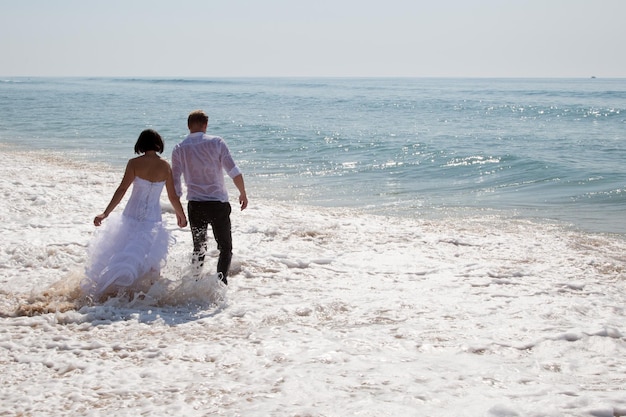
(551, 149)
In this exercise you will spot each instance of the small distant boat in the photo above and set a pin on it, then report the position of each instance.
(593, 76)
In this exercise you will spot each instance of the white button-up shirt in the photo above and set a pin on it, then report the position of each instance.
(201, 160)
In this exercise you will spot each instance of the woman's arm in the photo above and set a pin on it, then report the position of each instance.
(127, 180)
(181, 219)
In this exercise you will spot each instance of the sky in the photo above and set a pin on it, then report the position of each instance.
(321, 38)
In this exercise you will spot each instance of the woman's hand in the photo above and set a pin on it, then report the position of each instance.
(98, 220)
(181, 220)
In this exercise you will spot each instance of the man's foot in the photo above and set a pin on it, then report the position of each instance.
(222, 278)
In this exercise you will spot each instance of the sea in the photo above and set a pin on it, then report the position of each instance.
(544, 149)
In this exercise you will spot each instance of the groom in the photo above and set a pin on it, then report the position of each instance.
(201, 160)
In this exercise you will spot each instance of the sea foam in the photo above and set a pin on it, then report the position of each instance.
(326, 309)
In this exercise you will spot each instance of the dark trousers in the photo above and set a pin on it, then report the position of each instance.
(217, 214)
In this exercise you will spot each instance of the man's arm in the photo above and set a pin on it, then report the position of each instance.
(177, 172)
(243, 198)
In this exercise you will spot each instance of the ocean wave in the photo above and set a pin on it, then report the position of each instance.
(173, 81)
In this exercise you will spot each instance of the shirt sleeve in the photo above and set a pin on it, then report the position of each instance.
(234, 172)
(177, 171)
(228, 163)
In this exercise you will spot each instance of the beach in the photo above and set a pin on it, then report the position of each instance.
(328, 312)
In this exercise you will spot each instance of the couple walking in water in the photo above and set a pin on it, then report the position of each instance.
(128, 253)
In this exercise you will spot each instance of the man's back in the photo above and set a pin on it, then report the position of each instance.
(201, 158)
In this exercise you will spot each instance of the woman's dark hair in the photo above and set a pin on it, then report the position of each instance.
(149, 140)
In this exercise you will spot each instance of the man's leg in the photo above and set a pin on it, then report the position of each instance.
(223, 237)
(198, 223)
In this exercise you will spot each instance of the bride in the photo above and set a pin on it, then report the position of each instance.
(128, 252)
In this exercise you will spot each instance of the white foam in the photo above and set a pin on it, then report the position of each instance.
(327, 312)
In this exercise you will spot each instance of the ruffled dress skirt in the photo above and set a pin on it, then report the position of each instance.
(129, 249)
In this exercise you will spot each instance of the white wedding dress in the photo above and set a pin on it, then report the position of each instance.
(129, 249)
